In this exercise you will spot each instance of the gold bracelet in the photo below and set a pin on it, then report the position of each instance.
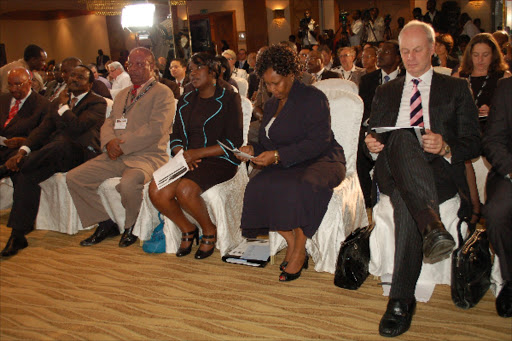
(276, 155)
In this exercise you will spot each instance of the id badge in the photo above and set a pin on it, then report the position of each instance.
(121, 123)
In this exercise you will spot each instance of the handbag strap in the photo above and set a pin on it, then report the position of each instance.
(459, 232)
(160, 217)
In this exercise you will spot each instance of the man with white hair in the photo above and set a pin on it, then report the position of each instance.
(121, 79)
(348, 69)
(418, 177)
(230, 55)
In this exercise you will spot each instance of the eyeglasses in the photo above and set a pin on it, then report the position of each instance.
(345, 55)
(16, 86)
(138, 64)
(197, 67)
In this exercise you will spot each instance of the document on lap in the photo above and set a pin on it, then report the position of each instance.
(171, 171)
(2, 139)
(382, 133)
(236, 151)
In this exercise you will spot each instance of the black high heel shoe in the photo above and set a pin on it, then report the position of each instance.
(183, 251)
(205, 254)
(286, 277)
(283, 265)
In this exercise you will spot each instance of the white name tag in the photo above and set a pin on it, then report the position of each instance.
(121, 123)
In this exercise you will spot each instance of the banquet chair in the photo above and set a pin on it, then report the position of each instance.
(6, 192)
(337, 83)
(382, 241)
(346, 210)
(224, 202)
(243, 86)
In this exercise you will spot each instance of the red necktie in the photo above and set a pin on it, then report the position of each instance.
(14, 110)
(416, 107)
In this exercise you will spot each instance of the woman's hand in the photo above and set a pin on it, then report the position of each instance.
(192, 157)
(483, 110)
(245, 149)
(265, 159)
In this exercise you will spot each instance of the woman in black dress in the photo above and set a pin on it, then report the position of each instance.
(211, 112)
(301, 160)
(483, 65)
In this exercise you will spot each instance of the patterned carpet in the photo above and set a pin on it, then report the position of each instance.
(57, 290)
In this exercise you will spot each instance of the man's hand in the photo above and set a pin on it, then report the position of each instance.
(432, 142)
(373, 145)
(483, 111)
(192, 157)
(13, 164)
(63, 96)
(15, 142)
(114, 149)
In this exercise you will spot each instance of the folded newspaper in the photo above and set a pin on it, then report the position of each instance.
(382, 133)
(171, 171)
(251, 252)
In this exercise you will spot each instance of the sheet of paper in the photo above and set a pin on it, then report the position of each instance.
(236, 151)
(171, 171)
(257, 252)
(418, 131)
(2, 139)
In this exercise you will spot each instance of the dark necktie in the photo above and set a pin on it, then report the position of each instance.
(416, 107)
(386, 79)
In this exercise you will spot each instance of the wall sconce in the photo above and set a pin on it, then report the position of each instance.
(278, 14)
(476, 3)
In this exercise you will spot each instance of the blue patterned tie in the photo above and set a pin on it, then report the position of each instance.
(386, 79)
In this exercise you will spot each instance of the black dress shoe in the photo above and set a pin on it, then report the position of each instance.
(102, 232)
(397, 318)
(128, 238)
(437, 243)
(14, 244)
(504, 300)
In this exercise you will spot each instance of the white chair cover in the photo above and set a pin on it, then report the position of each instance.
(443, 70)
(243, 86)
(6, 191)
(482, 168)
(224, 202)
(346, 211)
(337, 84)
(110, 103)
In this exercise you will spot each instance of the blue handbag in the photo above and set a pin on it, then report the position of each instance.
(157, 242)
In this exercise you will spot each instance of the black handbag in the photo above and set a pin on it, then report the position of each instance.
(471, 268)
(353, 259)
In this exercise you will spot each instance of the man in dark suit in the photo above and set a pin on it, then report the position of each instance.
(388, 59)
(21, 110)
(67, 137)
(418, 177)
(54, 87)
(241, 62)
(315, 66)
(432, 17)
(178, 68)
(497, 145)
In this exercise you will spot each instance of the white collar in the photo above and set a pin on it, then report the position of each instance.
(426, 78)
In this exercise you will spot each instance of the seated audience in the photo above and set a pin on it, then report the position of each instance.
(315, 66)
(167, 82)
(326, 57)
(99, 87)
(178, 69)
(98, 77)
(54, 87)
(67, 137)
(301, 160)
(251, 60)
(230, 55)
(443, 49)
(211, 113)
(225, 72)
(242, 62)
(21, 111)
(369, 59)
(497, 145)
(418, 178)
(482, 65)
(34, 60)
(348, 69)
(134, 142)
(120, 78)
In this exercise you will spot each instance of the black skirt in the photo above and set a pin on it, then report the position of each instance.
(283, 199)
(210, 172)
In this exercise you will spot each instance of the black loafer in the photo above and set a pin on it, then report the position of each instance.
(504, 300)
(128, 238)
(102, 232)
(14, 244)
(437, 243)
(397, 318)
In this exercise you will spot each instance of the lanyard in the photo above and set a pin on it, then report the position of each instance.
(127, 106)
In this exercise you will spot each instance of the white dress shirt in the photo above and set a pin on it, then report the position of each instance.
(404, 114)
(392, 75)
(122, 81)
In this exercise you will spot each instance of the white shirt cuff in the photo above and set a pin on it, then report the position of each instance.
(25, 148)
(63, 109)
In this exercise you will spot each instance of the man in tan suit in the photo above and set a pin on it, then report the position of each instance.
(134, 141)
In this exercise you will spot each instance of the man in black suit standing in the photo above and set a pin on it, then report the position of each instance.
(418, 177)
(21, 110)
(67, 137)
(432, 17)
(497, 144)
(388, 59)
(315, 66)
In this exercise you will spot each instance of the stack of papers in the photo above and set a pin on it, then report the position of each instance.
(251, 252)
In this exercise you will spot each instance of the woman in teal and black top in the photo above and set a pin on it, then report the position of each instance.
(211, 112)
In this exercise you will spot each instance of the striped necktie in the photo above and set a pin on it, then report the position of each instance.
(416, 107)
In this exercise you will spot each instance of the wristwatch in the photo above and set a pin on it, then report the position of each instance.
(447, 149)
